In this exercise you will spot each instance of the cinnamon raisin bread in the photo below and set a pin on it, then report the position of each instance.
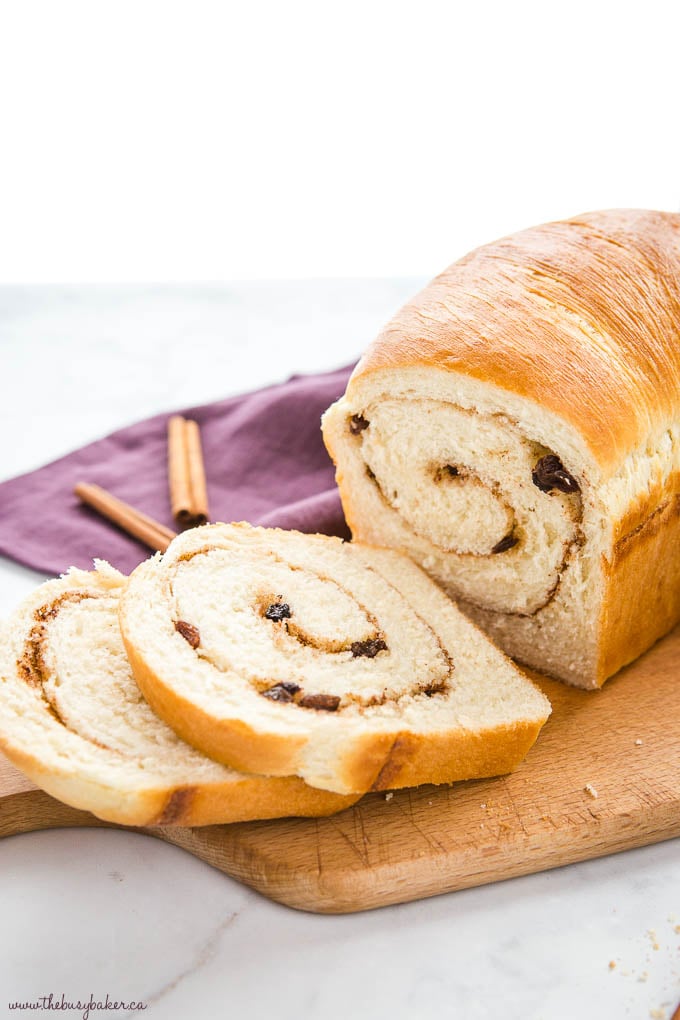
(515, 429)
(73, 719)
(345, 665)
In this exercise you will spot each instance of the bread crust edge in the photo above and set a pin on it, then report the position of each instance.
(373, 761)
(252, 798)
(641, 243)
(641, 600)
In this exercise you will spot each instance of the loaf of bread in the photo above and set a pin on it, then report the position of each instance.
(73, 719)
(515, 429)
(284, 653)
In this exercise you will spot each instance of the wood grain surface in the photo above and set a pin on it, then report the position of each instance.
(604, 776)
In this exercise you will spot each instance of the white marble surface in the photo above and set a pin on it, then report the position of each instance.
(96, 912)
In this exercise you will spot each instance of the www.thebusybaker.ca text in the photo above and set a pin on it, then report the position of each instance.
(84, 1007)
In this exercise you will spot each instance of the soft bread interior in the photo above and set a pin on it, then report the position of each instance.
(522, 562)
(364, 628)
(72, 716)
(541, 597)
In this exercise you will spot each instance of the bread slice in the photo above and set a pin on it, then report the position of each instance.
(284, 653)
(73, 719)
(515, 429)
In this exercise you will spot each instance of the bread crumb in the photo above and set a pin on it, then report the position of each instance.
(652, 938)
(591, 791)
(612, 964)
(638, 742)
(677, 929)
(658, 1014)
(643, 976)
(389, 796)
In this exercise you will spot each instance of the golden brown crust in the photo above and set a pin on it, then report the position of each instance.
(646, 516)
(250, 798)
(580, 317)
(450, 757)
(178, 805)
(378, 761)
(369, 751)
(229, 741)
(360, 768)
(95, 786)
(642, 582)
(254, 798)
(232, 742)
(404, 747)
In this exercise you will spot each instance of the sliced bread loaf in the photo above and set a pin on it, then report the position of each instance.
(285, 653)
(515, 429)
(73, 719)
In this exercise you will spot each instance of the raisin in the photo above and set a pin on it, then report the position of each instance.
(322, 702)
(446, 471)
(369, 648)
(281, 692)
(357, 424)
(434, 688)
(188, 632)
(277, 611)
(549, 474)
(505, 543)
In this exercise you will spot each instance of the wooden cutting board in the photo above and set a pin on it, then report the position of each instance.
(603, 776)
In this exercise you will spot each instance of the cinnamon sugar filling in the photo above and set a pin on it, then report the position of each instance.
(397, 448)
(283, 625)
(32, 667)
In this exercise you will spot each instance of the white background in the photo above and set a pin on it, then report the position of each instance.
(167, 141)
(144, 141)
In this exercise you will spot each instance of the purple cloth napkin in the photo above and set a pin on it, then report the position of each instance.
(265, 463)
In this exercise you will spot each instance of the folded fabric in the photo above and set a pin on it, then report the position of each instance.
(265, 463)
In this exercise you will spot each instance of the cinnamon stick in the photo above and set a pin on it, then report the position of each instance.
(135, 523)
(186, 473)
